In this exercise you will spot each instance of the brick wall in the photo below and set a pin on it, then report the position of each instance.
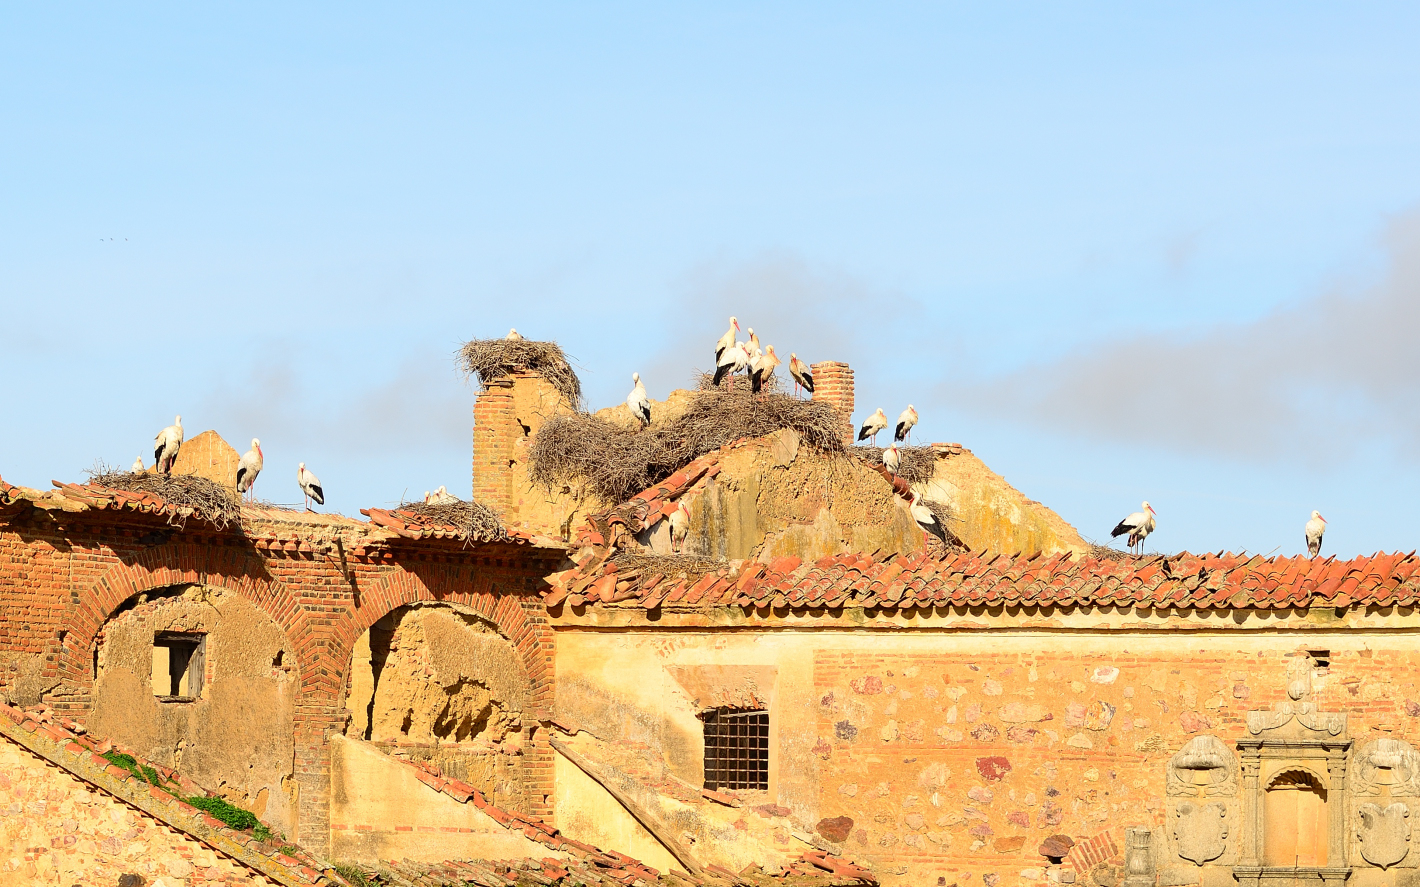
(833, 383)
(60, 585)
(494, 437)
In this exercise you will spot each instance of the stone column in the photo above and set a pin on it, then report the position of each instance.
(833, 382)
(1336, 807)
(1250, 853)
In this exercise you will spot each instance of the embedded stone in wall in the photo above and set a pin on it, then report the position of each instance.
(1389, 765)
(1384, 833)
(1200, 831)
(1204, 767)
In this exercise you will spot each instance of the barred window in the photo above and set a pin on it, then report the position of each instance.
(736, 749)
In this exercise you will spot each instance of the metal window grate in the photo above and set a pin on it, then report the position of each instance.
(736, 749)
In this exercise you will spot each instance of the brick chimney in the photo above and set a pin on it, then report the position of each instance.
(833, 382)
(507, 415)
(494, 437)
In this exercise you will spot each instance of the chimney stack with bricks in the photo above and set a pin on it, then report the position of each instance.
(833, 383)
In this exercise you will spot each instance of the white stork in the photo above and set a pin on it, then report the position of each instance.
(514, 336)
(680, 525)
(925, 518)
(727, 340)
(764, 369)
(166, 446)
(1316, 527)
(875, 423)
(441, 496)
(892, 459)
(137, 466)
(1138, 525)
(752, 347)
(310, 486)
(734, 360)
(803, 376)
(248, 467)
(905, 420)
(638, 403)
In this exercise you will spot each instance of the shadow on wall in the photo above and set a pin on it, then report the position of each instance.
(437, 683)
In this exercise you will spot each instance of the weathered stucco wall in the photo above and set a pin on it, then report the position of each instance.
(236, 738)
(443, 686)
(56, 830)
(587, 812)
(956, 752)
(995, 516)
(379, 810)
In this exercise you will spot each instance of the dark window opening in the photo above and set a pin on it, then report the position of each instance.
(178, 663)
(1320, 658)
(736, 749)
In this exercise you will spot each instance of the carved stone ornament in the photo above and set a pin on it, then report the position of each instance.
(1331, 723)
(1203, 768)
(1139, 858)
(1384, 833)
(1200, 831)
(1390, 763)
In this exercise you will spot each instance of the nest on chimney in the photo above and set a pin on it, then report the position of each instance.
(915, 464)
(188, 494)
(614, 463)
(477, 521)
(493, 359)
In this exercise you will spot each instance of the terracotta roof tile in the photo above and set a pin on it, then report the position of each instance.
(1207, 581)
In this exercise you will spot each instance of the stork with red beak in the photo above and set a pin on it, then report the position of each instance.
(1316, 528)
(892, 459)
(248, 467)
(734, 360)
(1138, 525)
(310, 486)
(727, 340)
(803, 376)
(905, 421)
(166, 446)
(875, 423)
(764, 369)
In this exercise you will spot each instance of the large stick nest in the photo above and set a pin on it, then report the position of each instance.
(493, 359)
(615, 463)
(189, 494)
(915, 464)
(476, 520)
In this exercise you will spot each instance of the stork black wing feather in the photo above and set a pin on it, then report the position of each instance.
(1124, 527)
(317, 494)
(901, 431)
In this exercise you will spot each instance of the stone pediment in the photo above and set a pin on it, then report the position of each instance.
(1297, 721)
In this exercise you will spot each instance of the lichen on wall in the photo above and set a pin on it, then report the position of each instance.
(236, 738)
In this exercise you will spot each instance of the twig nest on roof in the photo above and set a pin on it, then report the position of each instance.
(492, 359)
(188, 494)
(476, 520)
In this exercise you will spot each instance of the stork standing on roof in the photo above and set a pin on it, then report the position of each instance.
(166, 446)
(638, 402)
(680, 525)
(248, 467)
(1316, 527)
(310, 486)
(803, 376)
(1138, 525)
(514, 336)
(905, 420)
(734, 360)
(875, 423)
(925, 518)
(764, 369)
(727, 340)
(892, 458)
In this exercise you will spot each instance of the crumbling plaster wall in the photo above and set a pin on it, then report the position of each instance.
(56, 830)
(995, 516)
(237, 738)
(441, 685)
(954, 753)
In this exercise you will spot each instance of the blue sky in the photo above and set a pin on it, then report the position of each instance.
(1119, 251)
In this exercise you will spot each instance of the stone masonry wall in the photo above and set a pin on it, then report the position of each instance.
(57, 830)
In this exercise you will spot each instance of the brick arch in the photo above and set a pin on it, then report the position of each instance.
(435, 584)
(161, 568)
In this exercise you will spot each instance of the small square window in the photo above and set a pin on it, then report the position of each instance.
(736, 749)
(178, 663)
